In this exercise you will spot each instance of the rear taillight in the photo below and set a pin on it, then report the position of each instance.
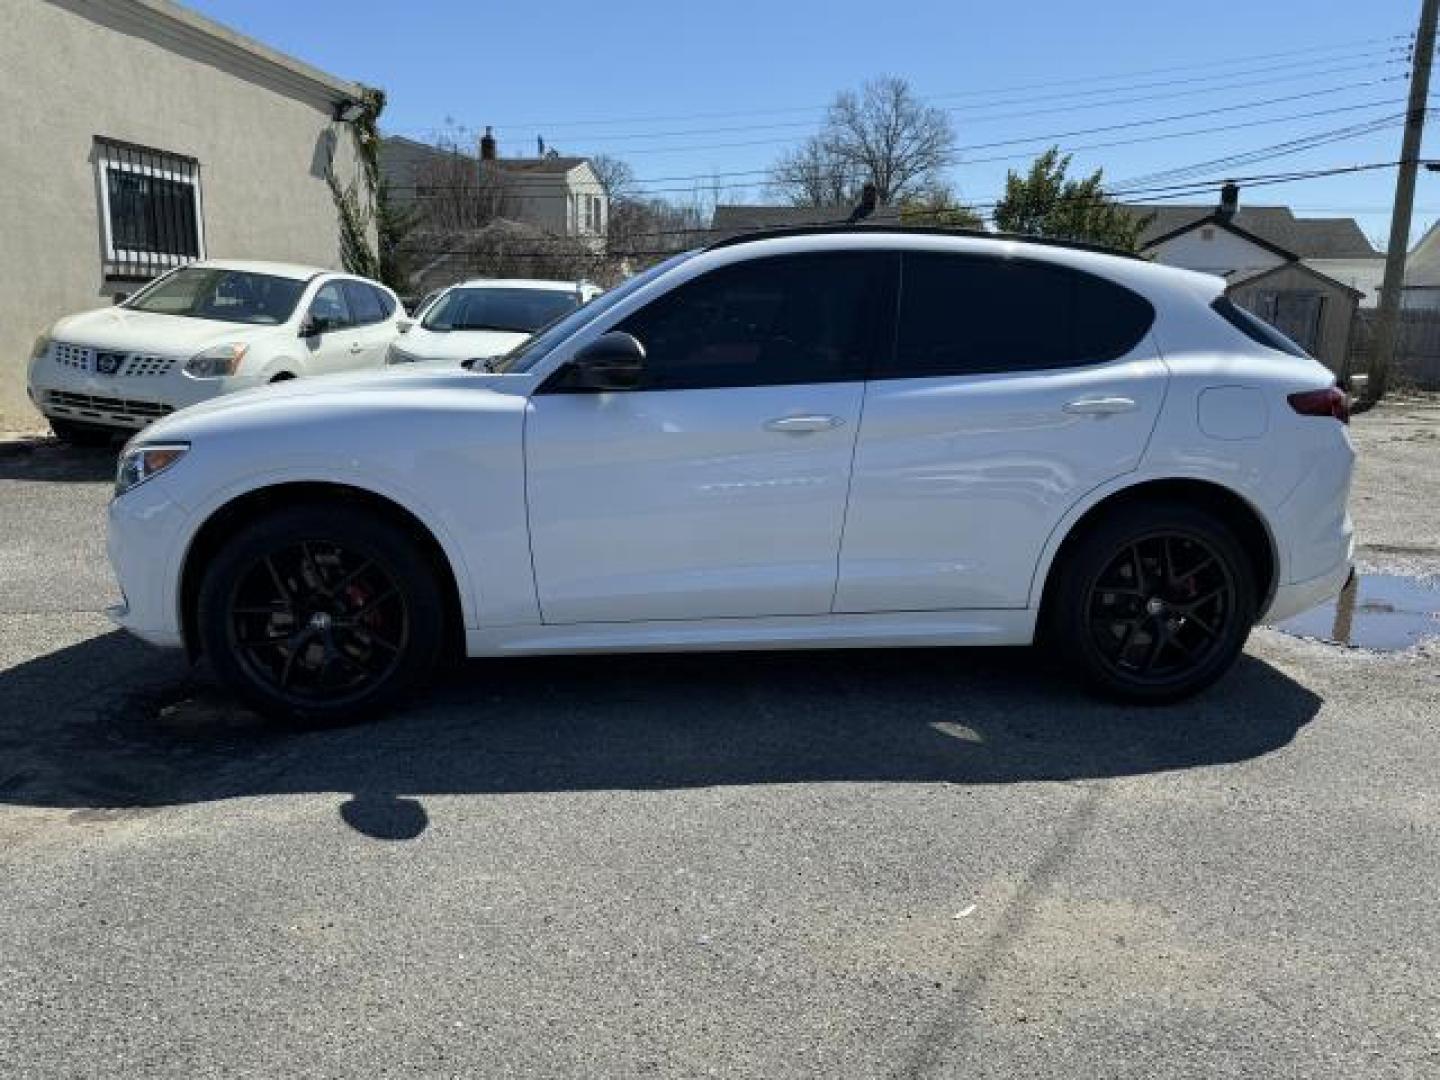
(1332, 402)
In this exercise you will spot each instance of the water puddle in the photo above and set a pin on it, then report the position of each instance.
(1385, 612)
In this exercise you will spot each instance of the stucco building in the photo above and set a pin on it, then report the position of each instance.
(135, 134)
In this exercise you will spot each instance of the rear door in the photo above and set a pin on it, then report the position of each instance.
(1014, 388)
(717, 488)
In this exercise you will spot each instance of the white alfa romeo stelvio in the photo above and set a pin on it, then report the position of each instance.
(821, 438)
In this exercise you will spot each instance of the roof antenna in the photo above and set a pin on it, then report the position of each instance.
(865, 207)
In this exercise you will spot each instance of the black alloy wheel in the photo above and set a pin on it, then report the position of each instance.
(325, 613)
(1159, 608)
(1152, 603)
(318, 621)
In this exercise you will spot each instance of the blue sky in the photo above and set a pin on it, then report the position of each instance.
(686, 90)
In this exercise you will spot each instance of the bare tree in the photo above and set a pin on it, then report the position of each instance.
(811, 176)
(883, 135)
(459, 192)
(616, 177)
(642, 228)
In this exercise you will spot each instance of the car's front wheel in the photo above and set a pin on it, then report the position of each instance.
(320, 614)
(1152, 603)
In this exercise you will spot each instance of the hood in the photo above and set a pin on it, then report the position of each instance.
(457, 344)
(124, 330)
(303, 401)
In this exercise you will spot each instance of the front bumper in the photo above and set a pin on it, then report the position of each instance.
(128, 402)
(145, 543)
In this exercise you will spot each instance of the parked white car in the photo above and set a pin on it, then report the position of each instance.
(833, 438)
(205, 329)
(486, 317)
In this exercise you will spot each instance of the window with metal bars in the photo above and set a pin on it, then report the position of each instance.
(150, 209)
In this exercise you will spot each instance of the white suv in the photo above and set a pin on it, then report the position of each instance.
(486, 317)
(831, 438)
(202, 330)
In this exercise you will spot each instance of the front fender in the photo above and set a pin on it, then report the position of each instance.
(370, 482)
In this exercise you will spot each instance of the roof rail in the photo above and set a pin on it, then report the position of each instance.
(842, 227)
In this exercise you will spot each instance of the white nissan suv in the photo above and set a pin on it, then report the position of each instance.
(202, 330)
(826, 438)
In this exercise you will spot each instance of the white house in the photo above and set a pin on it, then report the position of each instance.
(138, 135)
(558, 194)
(1308, 276)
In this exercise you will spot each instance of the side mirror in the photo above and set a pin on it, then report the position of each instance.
(404, 324)
(314, 326)
(613, 361)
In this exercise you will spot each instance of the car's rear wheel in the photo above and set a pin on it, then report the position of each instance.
(67, 431)
(1152, 603)
(320, 614)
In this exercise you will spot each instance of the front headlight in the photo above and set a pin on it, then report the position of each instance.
(397, 355)
(140, 463)
(41, 347)
(217, 361)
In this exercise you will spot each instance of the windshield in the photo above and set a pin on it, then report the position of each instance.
(529, 352)
(235, 296)
(520, 311)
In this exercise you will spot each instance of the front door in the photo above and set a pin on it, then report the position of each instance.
(373, 328)
(716, 488)
(339, 345)
(1015, 387)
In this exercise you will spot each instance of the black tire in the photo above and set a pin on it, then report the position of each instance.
(284, 376)
(320, 615)
(1170, 625)
(67, 431)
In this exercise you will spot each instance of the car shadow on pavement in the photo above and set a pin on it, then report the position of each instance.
(46, 459)
(110, 724)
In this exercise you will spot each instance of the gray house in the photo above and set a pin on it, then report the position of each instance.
(138, 136)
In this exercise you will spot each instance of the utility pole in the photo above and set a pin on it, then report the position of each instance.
(1388, 316)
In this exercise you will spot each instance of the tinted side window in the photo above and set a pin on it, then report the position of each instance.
(364, 303)
(1254, 327)
(788, 319)
(385, 300)
(967, 315)
(330, 304)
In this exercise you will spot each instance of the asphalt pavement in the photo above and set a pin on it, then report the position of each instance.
(898, 864)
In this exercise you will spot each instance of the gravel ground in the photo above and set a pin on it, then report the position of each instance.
(929, 863)
(1396, 500)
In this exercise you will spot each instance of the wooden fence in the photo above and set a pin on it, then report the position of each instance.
(1417, 348)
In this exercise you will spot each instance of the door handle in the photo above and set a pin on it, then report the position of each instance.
(800, 425)
(1100, 406)
(355, 346)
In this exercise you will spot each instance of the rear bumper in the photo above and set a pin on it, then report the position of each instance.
(1290, 600)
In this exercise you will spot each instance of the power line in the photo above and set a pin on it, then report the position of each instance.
(1169, 69)
(1267, 153)
(1309, 73)
(956, 159)
(1028, 113)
